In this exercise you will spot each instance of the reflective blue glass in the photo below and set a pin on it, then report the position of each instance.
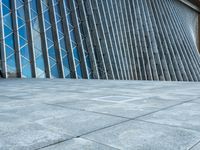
(7, 3)
(7, 31)
(8, 20)
(6, 10)
(23, 32)
(10, 41)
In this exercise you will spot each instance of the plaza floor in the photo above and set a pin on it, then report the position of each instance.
(99, 115)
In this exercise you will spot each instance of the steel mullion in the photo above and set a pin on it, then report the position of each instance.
(2, 48)
(55, 39)
(30, 38)
(78, 37)
(44, 39)
(16, 40)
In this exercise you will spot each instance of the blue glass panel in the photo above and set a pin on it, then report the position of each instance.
(19, 3)
(11, 61)
(60, 26)
(7, 3)
(9, 51)
(62, 43)
(22, 32)
(66, 62)
(20, 22)
(47, 25)
(46, 16)
(34, 5)
(25, 51)
(20, 13)
(26, 71)
(7, 30)
(67, 72)
(72, 36)
(52, 52)
(22, 42)
(54, 71)
(24, 61)
(44, 5)
(75, 51)
(40, 63)
(6, 10)
(33, 14)
(49, 43)
(49, 34)
(8, 20)
(78, 69)
(52, 62)
(35, 24)
(9, 41)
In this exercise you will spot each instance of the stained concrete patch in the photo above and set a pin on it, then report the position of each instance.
(186, 115)
(145, 136)
(79, 144)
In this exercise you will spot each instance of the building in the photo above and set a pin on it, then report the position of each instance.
(100, 39)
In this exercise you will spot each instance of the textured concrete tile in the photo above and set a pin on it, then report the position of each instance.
(77, 122)
(79, 144)
(29, 136)
(196, 147)
(185, 115)
(145, 136)
(129, 109)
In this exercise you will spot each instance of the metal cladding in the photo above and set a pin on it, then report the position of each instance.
(99, 39)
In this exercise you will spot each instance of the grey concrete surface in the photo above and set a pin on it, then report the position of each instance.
(99, 115)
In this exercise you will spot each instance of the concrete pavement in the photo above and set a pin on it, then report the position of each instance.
(99, 115)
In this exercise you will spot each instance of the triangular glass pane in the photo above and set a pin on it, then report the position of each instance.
(19, 3)
(20, 22)
(11, 61)
(25, 52)
(26, 71)
(9, 51)
(52, 62)
(7, 3)
(7, 30)
(22, 41)
(8, 20)
(49, 43)
(23, 32)
(20, 13)
(6, 10)
(24, 61)
(9, 41)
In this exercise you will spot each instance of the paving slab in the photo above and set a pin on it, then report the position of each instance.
(79, 144)
(77, 123)
(186, 115)
(145, 136)
(130, 109)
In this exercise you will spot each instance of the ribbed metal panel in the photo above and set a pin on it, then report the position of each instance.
(100, 39)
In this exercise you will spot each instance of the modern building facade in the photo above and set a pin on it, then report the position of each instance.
(100, 39)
